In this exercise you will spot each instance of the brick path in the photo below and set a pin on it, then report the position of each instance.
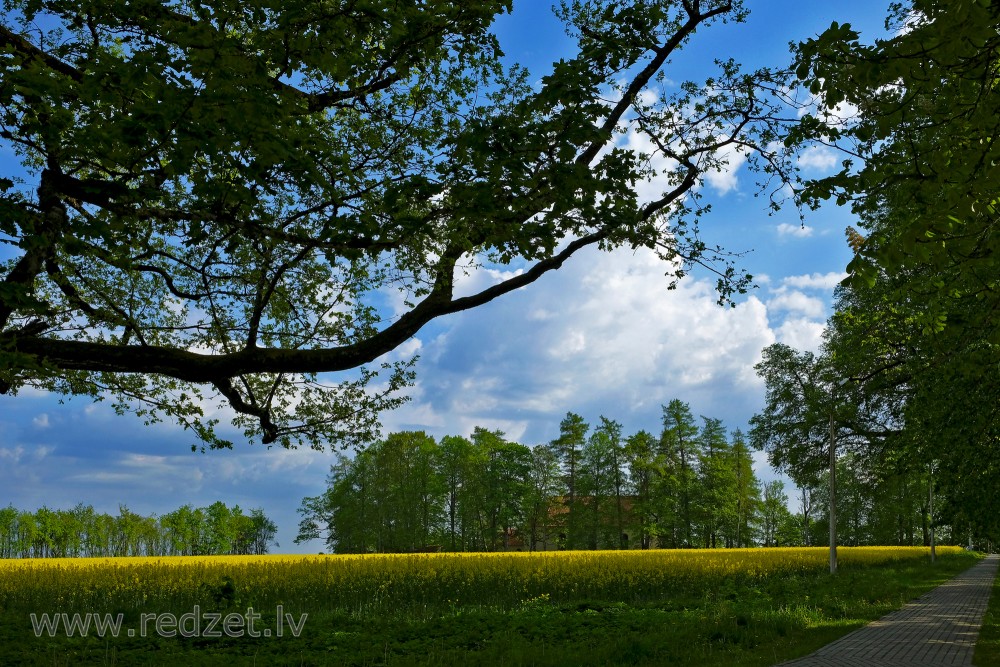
(938, 628)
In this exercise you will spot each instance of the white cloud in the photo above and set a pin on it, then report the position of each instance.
(797, 302)
(802, 334)
(798, 231)
(41, 421)
(12, 454)
(726, 180)
(651, 189)
(406, 350)
(817, 158)
(823, 281)
(613, 340)
(475, 279)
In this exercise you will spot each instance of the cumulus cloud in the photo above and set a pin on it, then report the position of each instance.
(603, 335)
(798, 231)
(726, 179)
(817, 158)
(798, 302)
(823, 281)
(801, 333)
(650, 189)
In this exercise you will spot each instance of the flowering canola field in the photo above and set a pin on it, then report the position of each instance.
(376, 583)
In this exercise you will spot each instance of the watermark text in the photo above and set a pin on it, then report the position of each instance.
(195, 623)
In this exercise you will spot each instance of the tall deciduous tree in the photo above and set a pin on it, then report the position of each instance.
(456, 469)
(717, 501)
(544, 488)
(776, 521)
(219, 195)
(923, 177)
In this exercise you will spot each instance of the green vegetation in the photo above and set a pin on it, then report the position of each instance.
(587, 489)
(916, 335)
(758, 623)
(217, 202)
(988, 646)
(689, 486)
(83, 532)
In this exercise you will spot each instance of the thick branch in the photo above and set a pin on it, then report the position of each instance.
(195, 367)
(30, 52)
(662, 54)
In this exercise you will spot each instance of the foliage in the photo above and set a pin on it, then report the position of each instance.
(411, 493)
(917, 317)
(623, 608)
(599, 491)
(257, 205)
(884, 483)
(391, 583)
(82, 532)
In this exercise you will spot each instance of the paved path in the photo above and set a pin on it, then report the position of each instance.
(938, 628)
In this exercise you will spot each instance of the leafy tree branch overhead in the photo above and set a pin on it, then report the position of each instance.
(220, 197)
(917, 319)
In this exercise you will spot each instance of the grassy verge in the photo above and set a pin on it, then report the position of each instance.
(988, 646)
(775, 619)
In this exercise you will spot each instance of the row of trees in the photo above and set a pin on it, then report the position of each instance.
(81, 531)
(908, 372)
(591, 488)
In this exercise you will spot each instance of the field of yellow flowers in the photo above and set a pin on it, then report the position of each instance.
(749, 607)
(380, 583)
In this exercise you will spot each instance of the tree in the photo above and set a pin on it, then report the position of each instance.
(920, 176)
(679, 448)
(793, 427)
(602, 487)
(217, 197)
(919, 311)
(569, 446)
(455, 467)
(220, 533)
(746, 492)
(263, 531)
(640, 455)
(8, 531)
(544, 489)
(717, 501)
(774, 513)
(502, 485)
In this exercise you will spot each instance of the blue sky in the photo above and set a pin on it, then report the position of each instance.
(601, 336)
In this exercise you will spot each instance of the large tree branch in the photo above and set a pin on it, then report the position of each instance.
(19, 282)
(661, 55)
(201, 368)
(28, 51)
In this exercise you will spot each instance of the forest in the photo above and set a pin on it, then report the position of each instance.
(691, 485)
(215, 530)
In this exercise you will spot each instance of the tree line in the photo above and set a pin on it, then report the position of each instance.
(908, 369)
(590, 488)
(84, 532)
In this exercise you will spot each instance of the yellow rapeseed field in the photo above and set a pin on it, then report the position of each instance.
(369, 583)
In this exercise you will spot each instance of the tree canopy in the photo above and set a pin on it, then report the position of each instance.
(252, 204)
(916, 326)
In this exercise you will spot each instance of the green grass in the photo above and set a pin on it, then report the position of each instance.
(777, 619)
(988, 646)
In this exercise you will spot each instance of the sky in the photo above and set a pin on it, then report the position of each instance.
(601, 336)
